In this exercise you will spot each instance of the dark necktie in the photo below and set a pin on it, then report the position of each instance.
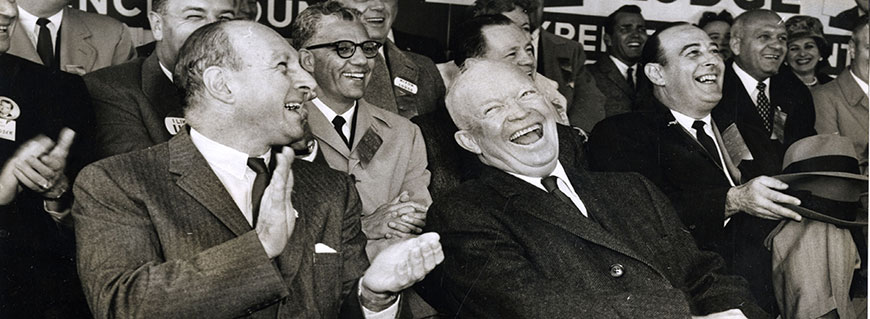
(705, 139)
(44, 47)
(338, 123)
(629, 77)
(552, 187)
(763, 105)
(258, 165)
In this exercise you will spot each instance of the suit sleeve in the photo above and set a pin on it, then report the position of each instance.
(119, 124)
(700, 274)
(826, 112)
(124, 274)
(587, 105)
(630, 146)
(417, 176)
(488, 275)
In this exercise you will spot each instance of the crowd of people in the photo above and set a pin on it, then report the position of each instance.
(700, 170)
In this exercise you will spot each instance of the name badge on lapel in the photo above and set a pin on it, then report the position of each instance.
(735, 145)
(778, 131)
(405, 85)
(9, 111)
(174, 124)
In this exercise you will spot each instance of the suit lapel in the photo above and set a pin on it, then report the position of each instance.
(616, 77)
(76, 48)
(323, 129)
(379, 90)
(851, 91)
(531, 200)
(21, 45)
(193, 175)
(677, 134)
(161, 92)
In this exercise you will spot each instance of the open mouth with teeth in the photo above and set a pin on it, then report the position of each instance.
(707, 79)
(528, 135)
(292, 106)
(771, 56)
(803, 61)
(634, 45)
(4, 29)
(357, 76)
(375, 20)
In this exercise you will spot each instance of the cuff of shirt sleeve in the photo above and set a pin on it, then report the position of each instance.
(391, 312)
(57, 216)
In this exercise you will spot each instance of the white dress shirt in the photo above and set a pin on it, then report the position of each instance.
(165, 71)
(623, 69)
(751, 84)
(28, 20)
(686, 122)
(330, 114)
(231, 168)
(562, 181)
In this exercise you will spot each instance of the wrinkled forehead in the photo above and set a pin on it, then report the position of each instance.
(677, 38)
(765, 23)
(487, 80)
(333, 28)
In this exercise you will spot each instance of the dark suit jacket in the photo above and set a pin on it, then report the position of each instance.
(563, 60)
(450, 164)
(159, 236)
(736, 107)
(646, 142)
(88, 42)
(411, 67)
(424, 46)
(36, 254)
(611, 82)
(513, 251)
(132, 101)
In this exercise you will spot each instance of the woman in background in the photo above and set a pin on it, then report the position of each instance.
(808, 50)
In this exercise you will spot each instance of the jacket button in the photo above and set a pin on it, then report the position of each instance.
(692, 227)
(617, 270)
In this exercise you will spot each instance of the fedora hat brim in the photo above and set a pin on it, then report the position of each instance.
(814, 215)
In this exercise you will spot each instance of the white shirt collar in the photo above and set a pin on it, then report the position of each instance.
(28, 20)
(330, 114)
(559, 172)
(750, 83)
(623, 68)
(222, 157)
(863, 85)
(166, 71)
(687, 122)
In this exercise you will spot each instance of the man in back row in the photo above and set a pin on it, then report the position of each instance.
(199, 212)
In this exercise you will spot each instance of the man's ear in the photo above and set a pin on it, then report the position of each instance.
(608, 42)
(217, 84)
(156, 22)
(852, 52)
(306, 60)
(655, 74)
(734, 43)
(466, 141)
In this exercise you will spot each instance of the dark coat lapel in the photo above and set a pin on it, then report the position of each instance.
(193, 175)
(525, 198)
(161, 92)
(666, 122)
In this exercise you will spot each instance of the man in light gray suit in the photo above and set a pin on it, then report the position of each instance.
(72, 40)
(189, 228)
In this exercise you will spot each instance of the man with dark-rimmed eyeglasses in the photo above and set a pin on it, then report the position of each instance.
(384, 151)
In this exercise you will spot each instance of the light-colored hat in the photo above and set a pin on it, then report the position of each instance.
(825, 167)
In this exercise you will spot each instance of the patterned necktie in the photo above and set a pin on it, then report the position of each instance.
(258, 165)
(338, 123)
(44, 47)
(763, 105)
(705, 139)
(629, 77)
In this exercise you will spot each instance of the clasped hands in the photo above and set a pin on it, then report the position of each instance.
(39, 165)
(400, 218)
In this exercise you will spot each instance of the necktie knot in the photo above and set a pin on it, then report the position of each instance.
(699, 125)
(549, 183)
(761, 86)
(338, 122)
(258, 165)
(42, 22)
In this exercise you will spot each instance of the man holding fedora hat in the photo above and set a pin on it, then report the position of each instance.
(814, 260)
